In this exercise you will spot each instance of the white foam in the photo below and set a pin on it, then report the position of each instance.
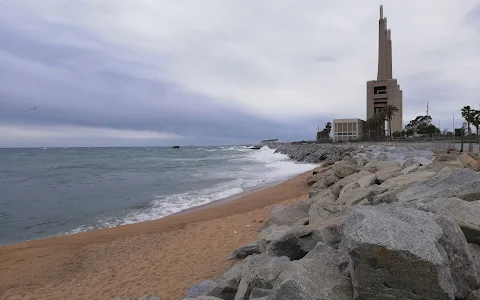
(264, 167)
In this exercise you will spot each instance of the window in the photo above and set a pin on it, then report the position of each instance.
(349, 127)
(378, 90)
(354, 127)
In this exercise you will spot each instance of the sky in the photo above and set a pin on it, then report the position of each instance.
(214, 72)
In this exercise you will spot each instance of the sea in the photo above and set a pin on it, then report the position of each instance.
(47, 192)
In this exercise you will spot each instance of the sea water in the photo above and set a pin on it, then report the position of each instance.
(46, 192)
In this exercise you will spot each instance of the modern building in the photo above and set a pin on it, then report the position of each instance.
(385, 90)
(345, 130)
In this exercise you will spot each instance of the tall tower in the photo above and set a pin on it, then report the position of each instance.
(385, 90)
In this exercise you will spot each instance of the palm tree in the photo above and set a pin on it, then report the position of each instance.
(467, 114)
(389, 111)
(476, 123)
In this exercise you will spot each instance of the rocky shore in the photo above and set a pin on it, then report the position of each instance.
(380, 223)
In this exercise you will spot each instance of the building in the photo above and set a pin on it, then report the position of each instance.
(385, 90)
(345, 130)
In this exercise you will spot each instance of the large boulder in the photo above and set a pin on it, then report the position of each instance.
(355, 196)
(367, 181)
(227, 284)
(260, 271)
(322, 208)
(463, 184)
(405, 253)
(466, 215)
(379, 165)
(388, 172)
(287, 215)
(245, 250)
(343, 169)
(283, 241)
(317, 187)
(403, 180)
(315, 276)
(337, 187)
(200, 289)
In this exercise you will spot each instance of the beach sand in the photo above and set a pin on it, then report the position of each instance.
(162, 257)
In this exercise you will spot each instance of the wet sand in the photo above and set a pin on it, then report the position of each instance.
(162, 257)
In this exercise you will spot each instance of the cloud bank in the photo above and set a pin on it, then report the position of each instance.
(118, 72)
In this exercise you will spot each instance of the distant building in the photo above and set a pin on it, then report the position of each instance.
(345, 130)
(385, 90)
(269, 142)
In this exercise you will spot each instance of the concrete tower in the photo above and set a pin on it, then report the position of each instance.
(385, 90)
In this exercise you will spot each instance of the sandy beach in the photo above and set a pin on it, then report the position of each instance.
(162, 257)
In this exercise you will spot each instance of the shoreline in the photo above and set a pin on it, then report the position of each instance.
(36, 269)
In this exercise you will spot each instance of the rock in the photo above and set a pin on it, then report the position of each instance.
(422, 161)
(404, 253)
(465, 159)
(445, 157)
(260, 271)
(227, 284)
(475, 295)
(348, 188)
(343, 169)
(147, 297)
(387, 173)
(258, 293)
(403, 180)
(475, 251)
(354, 197)
(322, 209)
(382, 157)
(315, 276)
(444, 172)
(453, 164)
(331, 179)
(367, 181)
(336, 188)
(283, 241)
(315, 178)
(286, 215)
(410, 169)
(474, 165)
(245, 250)
(389, 196)
(200, 289)
(204, 298)
(463, 184)
(318, 187)
(465, 214)
(314, 153)
(330, 232)
(409, 162)
(378, 165)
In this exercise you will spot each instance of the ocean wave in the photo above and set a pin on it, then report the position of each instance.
(266, 167)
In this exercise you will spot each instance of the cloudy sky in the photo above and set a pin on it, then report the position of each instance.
(162, 72)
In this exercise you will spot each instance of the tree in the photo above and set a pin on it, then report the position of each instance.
(328, 127)
(418, 125)
(476, 122)
(462, 134)
(324, 135)
(376, 126)
(389, 111)
(467, 114)
(398, 134)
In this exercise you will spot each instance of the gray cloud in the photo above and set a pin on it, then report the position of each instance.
(194, 76)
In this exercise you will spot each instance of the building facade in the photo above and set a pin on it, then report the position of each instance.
(385, 90)
(346, 130)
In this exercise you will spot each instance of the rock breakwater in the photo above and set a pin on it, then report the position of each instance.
(380, 223)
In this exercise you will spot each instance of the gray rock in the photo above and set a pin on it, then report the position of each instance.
(317, 187)
(260, 271)
(463, 184)
(336, 188)
(475, 295)
(315, 276)
(204, 298)
(286, 215)
(227, 284)
(367, 180)
(200, 289)
(410, 169)
(389, 196)
(403, 180)
(258, 293)
(353, 197)
(475, 251)
(322, 208)
(329, 232)
(314, 153)
(382, 157)
(245, 250)
(464, 213)
(343, 169)
(409, 162)
(348, 188)
(423, 161)
(379, 165)
(283, 241)
(387, 173)
(444, 172)
(404, 253)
